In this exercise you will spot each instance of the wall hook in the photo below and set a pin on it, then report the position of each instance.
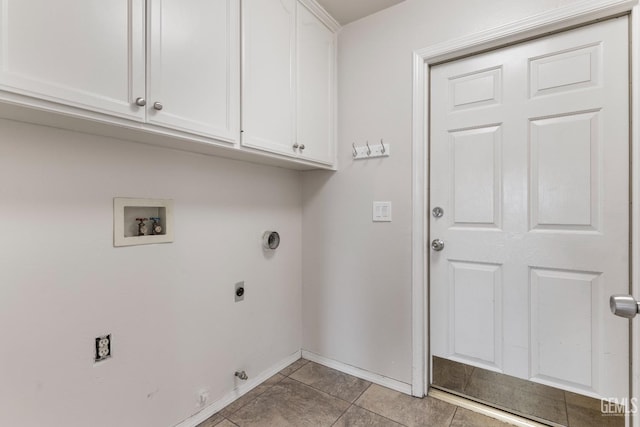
(369, 152)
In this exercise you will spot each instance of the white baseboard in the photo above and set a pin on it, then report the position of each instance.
(360, 373)
(238, 392)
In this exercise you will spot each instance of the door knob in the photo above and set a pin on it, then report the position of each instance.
(437, 245)
(158, 106)
(141, 102)
(624, 306)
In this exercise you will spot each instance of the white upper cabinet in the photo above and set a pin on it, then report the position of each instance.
(168, 72)
(315, 88)
(268, 97)
(288, 81)
(84, 53)
(194, 66)
(180, 70)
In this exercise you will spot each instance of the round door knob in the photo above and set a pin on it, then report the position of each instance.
(437, 245)
(141, 102)
(623, 306)
(295, 146)
(302, 146)
(158, 106)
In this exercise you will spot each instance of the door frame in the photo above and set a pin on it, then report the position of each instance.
(581, 13)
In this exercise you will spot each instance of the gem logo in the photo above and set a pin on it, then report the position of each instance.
(614, 406)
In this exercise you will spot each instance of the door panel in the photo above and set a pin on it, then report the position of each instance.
(529, 161)
(194, 66)
(268, 100)
(92, 58)
(565, 175)
(476, 311)
(315, 87)
(476, 197)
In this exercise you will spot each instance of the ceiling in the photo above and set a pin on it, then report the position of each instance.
(345, 11)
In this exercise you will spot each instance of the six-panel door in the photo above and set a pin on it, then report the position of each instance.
(530, 163)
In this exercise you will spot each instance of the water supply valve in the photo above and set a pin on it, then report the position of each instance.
(156, 227)
(142, 228)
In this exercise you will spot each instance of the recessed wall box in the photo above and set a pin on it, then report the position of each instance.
(134, 220)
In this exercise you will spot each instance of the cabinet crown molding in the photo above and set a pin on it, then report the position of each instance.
(322, 14)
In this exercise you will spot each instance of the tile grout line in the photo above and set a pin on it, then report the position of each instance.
(454, 416)
(329, 394)
(381, 416)
(321, 391)
(350, 403)
(468, 381)
(369, 410)
(363, 392)
(341, 415)
(295, 370)
(566, 407)
(267, 388)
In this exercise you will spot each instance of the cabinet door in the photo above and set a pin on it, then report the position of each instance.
(268, 109)
(84, 53)
(315, 88)
(194, 66)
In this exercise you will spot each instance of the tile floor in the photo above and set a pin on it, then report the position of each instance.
(307, 394)
(522, 397)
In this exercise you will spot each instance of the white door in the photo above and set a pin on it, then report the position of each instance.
(85, 53)
(194, 66)
(530, 164)
(268, 100)
(315, 87)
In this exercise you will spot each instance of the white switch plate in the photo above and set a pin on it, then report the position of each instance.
(381, 211)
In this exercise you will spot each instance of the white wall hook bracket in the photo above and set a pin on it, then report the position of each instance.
(368, 151)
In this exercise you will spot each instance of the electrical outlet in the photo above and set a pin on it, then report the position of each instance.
(103, 348)
(239, 291)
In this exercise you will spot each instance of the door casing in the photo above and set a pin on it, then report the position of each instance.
(554, 21)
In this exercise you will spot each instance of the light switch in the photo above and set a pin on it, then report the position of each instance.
(381, 211)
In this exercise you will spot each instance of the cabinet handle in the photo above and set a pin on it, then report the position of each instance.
(295, 145)
(302, 147)
(158, 106)
(141, 102)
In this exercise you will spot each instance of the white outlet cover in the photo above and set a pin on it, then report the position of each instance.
(381, 211)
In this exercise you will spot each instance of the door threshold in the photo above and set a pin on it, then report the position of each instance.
(480, 408)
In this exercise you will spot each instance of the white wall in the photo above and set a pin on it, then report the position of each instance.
(357, 274)
(170, 308)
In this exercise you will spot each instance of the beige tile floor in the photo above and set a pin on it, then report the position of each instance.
(307, 394)
(522, 397)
